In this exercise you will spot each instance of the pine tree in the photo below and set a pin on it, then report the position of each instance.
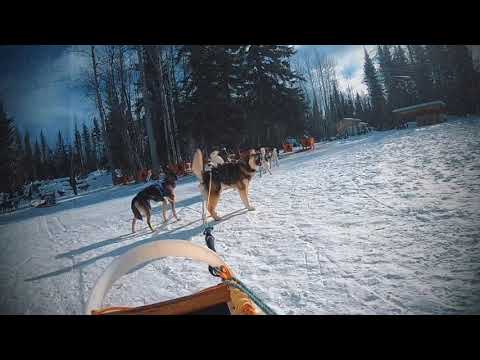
(386, 69)
(37, 161)
(19, 170)
(7, 152)
(98, 146)
(442, 73)
(28, 158)
(463, 93)
(61, 159)
(211, 93)
(316, 120)
(87, 148)
(78, 156)
(375, 91)
(44, 145)
(271, 90)
(403, 84)
(359, 112)
(422, 73)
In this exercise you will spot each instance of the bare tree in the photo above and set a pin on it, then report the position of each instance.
(101, 109)
(149, 109)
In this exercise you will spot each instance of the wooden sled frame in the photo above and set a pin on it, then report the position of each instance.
(215, 298)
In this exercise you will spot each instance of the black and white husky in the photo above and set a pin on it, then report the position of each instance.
(164, 192)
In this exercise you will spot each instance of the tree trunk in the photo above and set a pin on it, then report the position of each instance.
(165, 111)
(133, 154)
(101, 111)
(148, 113)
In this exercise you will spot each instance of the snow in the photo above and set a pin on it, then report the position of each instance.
(384, 223)
(97, 180)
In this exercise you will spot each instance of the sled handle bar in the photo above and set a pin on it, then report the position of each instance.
(146, 253)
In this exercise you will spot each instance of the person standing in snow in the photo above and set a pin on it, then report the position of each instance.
(149, 175)
(73, 183)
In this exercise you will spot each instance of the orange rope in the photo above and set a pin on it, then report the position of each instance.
(225, 273)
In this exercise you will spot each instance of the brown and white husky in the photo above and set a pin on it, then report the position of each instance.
(236, 174)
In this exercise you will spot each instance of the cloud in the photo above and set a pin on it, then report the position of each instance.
(44, 93)
(40, 84)
(349, 62)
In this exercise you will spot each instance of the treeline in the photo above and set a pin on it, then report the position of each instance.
(412, 74)
(327, 103)
(23, 160)
(157, 104)
(395, 76)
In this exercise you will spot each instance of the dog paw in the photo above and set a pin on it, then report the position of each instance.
(251, 208)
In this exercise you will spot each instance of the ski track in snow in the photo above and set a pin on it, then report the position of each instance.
(381, 224)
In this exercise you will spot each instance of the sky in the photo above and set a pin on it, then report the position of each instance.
(40, 85)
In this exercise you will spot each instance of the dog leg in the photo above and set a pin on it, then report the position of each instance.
(244, 196)
(173, 211)
(133, 225)
(148, 222)
(164, 211)
(212, 204)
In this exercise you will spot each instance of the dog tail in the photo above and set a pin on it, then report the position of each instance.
(136, 213)
(197, 164)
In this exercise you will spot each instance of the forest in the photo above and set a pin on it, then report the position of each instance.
(156, 104)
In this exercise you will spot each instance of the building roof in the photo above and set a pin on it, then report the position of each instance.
(431, 104)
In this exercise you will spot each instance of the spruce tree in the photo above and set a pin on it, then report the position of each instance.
(37, 161)
(61, 160)
(97, 145)
(379, 117)
(386, 69)
(7, 152)
(44, 145)
(422, 73)
(19, 169)
(28, 158)
(87, 147)
(78, 156)
(464, 89)
(359, 112)
(271, 87)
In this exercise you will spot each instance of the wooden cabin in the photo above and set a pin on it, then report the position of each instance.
(351, 127)
(424, 114)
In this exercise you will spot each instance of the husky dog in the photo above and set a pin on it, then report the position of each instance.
(164, 192)
(265, 158)
(236, 174)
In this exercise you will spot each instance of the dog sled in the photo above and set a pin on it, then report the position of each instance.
(308, 143)
(45, 201)
(229, 297)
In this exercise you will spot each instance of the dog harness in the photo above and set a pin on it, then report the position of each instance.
(162, 190)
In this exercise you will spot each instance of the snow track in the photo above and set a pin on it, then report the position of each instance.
(387, 223)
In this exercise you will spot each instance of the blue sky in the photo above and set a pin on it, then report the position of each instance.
(40, 88)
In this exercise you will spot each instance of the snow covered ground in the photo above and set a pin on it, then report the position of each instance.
(386, 223)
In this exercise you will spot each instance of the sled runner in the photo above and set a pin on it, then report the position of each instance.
(230, 297)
